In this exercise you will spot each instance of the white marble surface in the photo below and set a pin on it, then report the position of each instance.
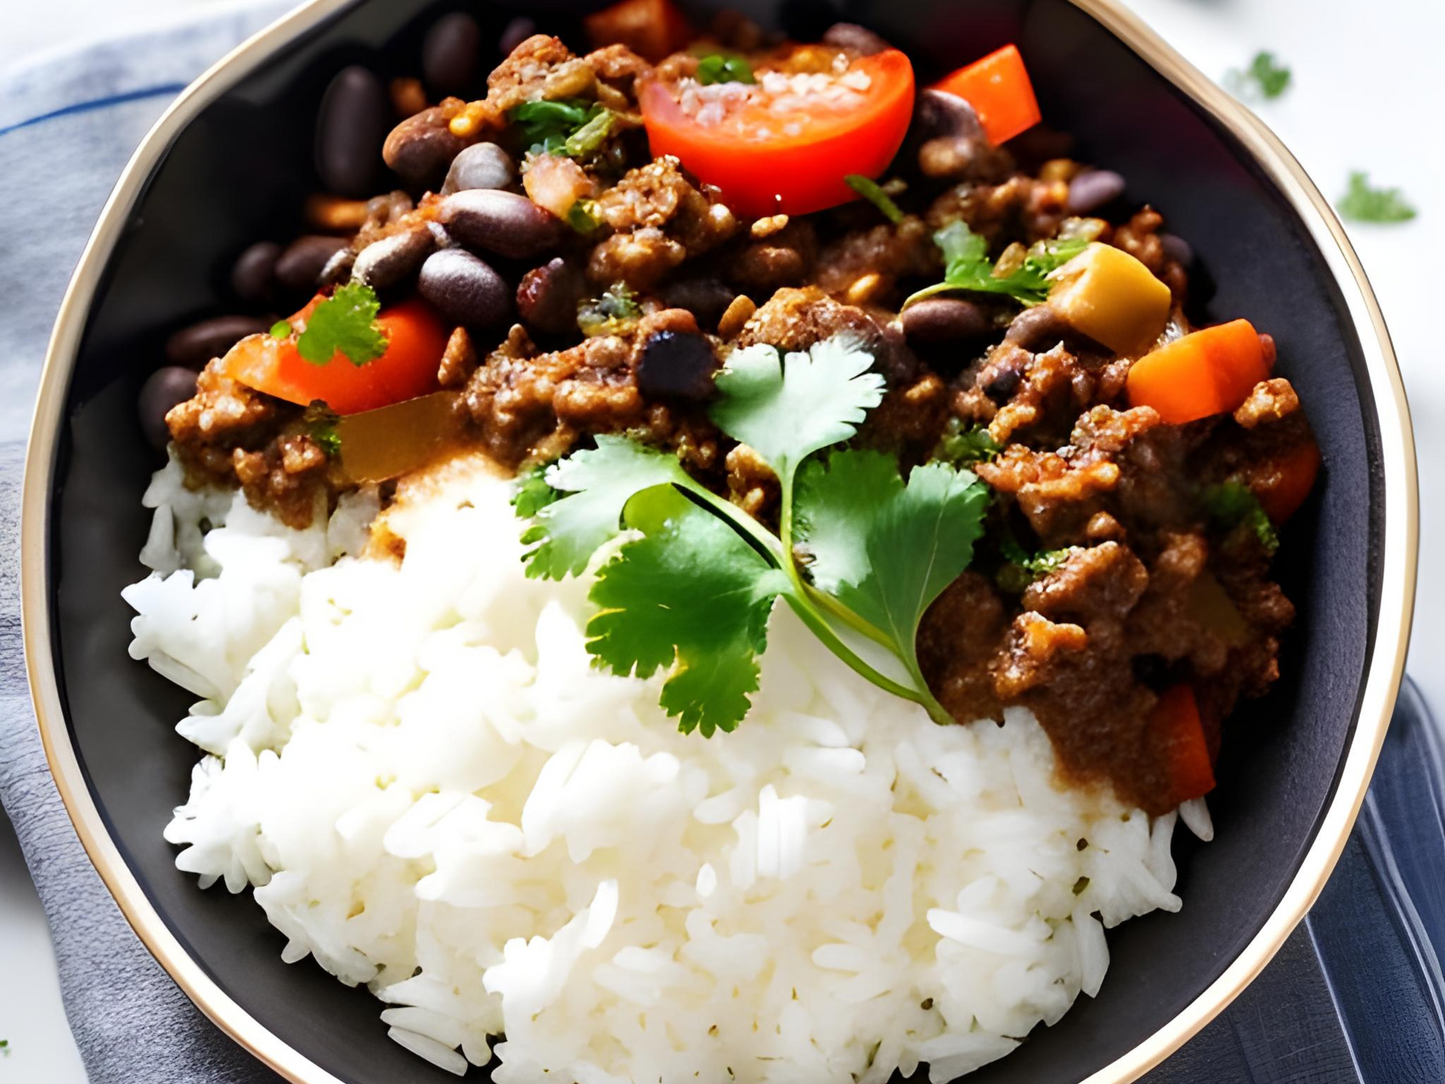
(1366, 94)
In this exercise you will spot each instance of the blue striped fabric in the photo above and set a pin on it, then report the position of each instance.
(1355, 997)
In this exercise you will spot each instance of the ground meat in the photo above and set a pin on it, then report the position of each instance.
(783, 258)
(459, 361)
(1021, 208)
(542, 67)
(1271, 401)
(867, 264)
(640, 259)
(1139, 237)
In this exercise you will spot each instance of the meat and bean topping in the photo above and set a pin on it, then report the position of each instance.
(529, 258)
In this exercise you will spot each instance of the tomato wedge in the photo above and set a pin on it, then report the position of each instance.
(784, 144)
(416, 339)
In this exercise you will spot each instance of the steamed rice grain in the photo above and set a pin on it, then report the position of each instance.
(431, 792)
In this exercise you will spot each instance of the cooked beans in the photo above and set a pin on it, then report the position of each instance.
(676, 365)
(350, 127)
(421, 148)
(299, 267)
(1037, 329)
(944, 319)
(500, 222)
(548, 295)
(1093, 189)
(464, 288)
(385, 263)
(193, 346)
(482, 165)
(163, 389)
(253, 275)
(514, 33)
(449, 54)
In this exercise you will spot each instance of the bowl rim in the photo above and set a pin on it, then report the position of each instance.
(1384, 667)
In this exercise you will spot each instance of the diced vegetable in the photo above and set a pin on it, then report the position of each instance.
(1206, 372)
(650, 28)
(791, 159)
(415, 340)
(1210, 605)
(378, 445)
(557, 183)
(1285, 480)
(1112, 298)
(1178, 735)
(999, 89)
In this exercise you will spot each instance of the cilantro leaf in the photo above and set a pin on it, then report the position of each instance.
(1363, 203)
(608, 314)
(787, 408)
(1233, 504)
(531, 493)
(871, 191)
(1265, 77)
(693, 598)
(717, 68)
(967, 266)
(596, 485)
(344, 323)
(582, 216)
(971, 445)
(884, 548)
(281, 329)
(1023, 569)
(571, 126)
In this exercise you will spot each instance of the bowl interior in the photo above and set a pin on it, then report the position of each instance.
(238, 173)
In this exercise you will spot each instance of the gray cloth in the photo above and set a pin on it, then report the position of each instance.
(67, 127)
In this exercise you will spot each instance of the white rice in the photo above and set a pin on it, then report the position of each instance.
(432, 793)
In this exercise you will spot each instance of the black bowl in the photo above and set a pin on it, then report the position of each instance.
(231, 162)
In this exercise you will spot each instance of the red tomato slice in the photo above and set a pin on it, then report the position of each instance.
(784, 145)
(416, 340)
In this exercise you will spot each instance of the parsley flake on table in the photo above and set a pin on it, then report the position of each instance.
(689, 590)
(1362, 203)
(344, 323)
(1265, 78)
(718, 68)
(967, 266)
(691, 597)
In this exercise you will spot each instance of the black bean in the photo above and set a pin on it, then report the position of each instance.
(500, 222)
(676, 365)
(253, 274)
(162, 390)
(464, 288)
(514, 33)
(1177, 249)
(421, 148)
(944, 320)
(383, 264)
(548, 295)
(350, 127)
(193, 346)
(939, 113)
(1038, 329)
(337, 269)
(482, 165)
(299, 267)
(706, 299)
(853, 36)
(1094, 188)
(449, 54)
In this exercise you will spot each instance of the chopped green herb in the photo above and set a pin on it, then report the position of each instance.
(571, 126)
(281, 329)
(320, 423)
(610, 313)
(690, 593)
(344, 323)
(1264, 78)
(875, 195)
(1022, 568)
(1233, 504)
(1363, 203)
(582, 216)
(967, 266)
(971, 445)
(718, 68)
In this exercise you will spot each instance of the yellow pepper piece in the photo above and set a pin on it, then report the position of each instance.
(1112, 298)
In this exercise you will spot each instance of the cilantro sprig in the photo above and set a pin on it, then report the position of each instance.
(344, 323)
(967, 266)
(573, 127)
(723, 68)
(971, 445)
(1233, 504)
(1364, 203)
(860, 552)
(870, 190)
